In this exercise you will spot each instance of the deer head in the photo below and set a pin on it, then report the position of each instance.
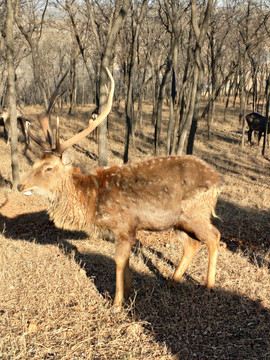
(56, 160)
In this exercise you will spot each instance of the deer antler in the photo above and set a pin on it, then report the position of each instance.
(45, 126)
(92, 124)
(44, 119)
(43, 144)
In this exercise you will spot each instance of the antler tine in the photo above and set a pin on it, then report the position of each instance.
(92, 124)
(44, 144)
(45, 125)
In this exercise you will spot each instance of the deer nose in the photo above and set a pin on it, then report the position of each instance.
(20, 187)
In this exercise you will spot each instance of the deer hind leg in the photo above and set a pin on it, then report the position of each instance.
(213, 245)
(190, 247)
(209, 235)
(259, 137)
(205, 232)
(250, 136)
(123, 277)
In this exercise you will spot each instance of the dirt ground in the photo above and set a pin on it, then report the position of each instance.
(56, 287)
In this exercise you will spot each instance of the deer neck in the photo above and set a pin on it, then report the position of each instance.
(73, 205)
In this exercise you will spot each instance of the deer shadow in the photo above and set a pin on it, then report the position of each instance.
(191, 323)
(250, 234)
(38, 227)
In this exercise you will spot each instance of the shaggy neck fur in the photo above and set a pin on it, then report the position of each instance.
(73, 205)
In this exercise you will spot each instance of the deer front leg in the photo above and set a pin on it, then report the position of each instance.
(123, 277)
(127, 280)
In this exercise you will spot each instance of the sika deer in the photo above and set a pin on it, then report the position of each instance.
(177, 192)
(94, 116)
(21, 121)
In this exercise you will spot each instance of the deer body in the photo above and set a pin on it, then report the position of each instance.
(23, 123)
(168, 192)
(177, 192)
(256, 122)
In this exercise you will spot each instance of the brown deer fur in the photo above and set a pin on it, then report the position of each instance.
(177, 192)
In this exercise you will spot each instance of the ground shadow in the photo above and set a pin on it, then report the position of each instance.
(192, 323)
(247, 229)
(117, 154)
(197, 325)
(225, 165)
(87, 153)
(37, 227)
(4, 182)
(229, 139)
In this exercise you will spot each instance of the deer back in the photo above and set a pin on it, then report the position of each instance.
(154, 194)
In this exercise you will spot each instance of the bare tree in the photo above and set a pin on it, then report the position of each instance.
(267, 91)
(130, 120)
(218, 32)
(32, 32)
(250, 25)
(161, 98)
(71, 9)
(174, 11)
(106, 51)
(150, 57)
(11, 5)
(200, 35)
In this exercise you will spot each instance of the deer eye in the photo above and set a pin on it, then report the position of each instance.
(48, 169)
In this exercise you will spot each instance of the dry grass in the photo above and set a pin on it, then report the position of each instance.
(56, 286)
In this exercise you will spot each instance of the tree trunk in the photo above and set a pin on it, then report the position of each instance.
(188, 122)
(118, 20)
(73, 82)
(228, 100)
(172, 98)
(195, 117)
(159, 105)
(130, 121)
(200, 34)
(156, 86)
(181, 100)
(267, 91)
(12, 93)
(34, 46)
(78, 38)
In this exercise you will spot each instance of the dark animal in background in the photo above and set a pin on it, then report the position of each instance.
(177, 192)
(256, 122)
(22, 123)
(94, 116)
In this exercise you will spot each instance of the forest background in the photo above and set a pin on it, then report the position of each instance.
(186, 74)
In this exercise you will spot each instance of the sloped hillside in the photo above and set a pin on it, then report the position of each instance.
(56, 287)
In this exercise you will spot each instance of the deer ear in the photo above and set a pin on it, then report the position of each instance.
(67, 156)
